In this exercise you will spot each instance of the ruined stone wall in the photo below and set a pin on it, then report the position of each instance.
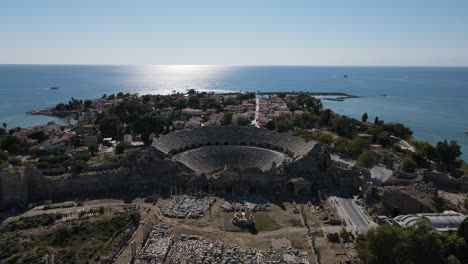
(442, 180)
(13, 189)
(102, 184)
(410, 201)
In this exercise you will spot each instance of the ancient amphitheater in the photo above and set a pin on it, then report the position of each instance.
(246, 159)
(184, 140)
(212, 149)
(221, 160)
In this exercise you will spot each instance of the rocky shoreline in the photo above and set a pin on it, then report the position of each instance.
(52, 112)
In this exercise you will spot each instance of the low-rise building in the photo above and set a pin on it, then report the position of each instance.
(193, 112)
(194, 122)
(446, 221)
(58, 141)
(167, 111)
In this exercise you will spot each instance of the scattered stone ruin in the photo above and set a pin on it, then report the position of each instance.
(162, 247)
(184, 206)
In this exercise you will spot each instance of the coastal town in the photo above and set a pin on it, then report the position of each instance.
(202, 177)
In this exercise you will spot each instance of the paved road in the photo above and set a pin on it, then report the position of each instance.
(257, 109)
(348, 211)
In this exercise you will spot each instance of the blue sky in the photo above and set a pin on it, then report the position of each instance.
(361, 32)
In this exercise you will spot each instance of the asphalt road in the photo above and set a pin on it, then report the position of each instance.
(352, 215)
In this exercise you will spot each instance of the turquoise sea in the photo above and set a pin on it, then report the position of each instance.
(432, 101)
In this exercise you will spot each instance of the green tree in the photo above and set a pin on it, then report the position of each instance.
(325, 117)
(398, 130)
(93, 149)
(191, 92)
(120, 148)
(242, 121)
(364, 117)
(180, 103)
(193, 102)
(2, 131)
(310, 120)
(353, 147)
(227, 119)
(88, 103)
(270, 125)
(448, 155)
(38, 135)
(298, 122)
(453, 260)
(78, 166)
(146, 138)
(386, 244)
(110, 126)
(376, 120)
(343, 126)
(3, 155)
(283, 124)
(424, 149)
(12, 144)
(292, 106)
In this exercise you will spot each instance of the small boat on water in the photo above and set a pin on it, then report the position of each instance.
(54, 88)
(466, 131)
(346, 76)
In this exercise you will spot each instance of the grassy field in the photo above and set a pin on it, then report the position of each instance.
(264, 222)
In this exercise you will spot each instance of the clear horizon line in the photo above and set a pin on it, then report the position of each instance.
(240, 65)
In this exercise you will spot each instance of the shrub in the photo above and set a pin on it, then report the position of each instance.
(15, 161)
(120, 148)
(242, 121)
(366, 159)
(61, 236)
(84, 156)
(408, 165)
(3, 164)
(3, 155)
(42, 165)
(35, 151)
(352, 147)
(308, 135)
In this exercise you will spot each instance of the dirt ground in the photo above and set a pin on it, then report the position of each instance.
(216, 225)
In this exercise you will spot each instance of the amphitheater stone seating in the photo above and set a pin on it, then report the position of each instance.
(184, 140)
(215, 158)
